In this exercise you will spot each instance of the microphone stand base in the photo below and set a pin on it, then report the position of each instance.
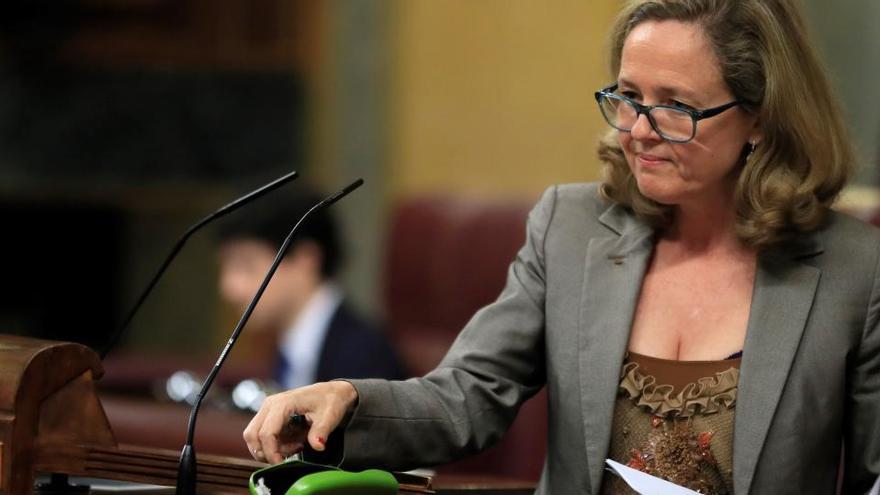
(186, 474)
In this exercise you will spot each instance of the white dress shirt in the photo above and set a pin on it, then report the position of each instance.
(301, 344)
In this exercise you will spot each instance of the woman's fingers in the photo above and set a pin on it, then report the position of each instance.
(320, 431)
(269, 436)
(341, 398)
(270, 430)
(251, 435)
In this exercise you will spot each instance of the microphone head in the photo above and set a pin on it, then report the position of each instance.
(354, 185)
(342, 193)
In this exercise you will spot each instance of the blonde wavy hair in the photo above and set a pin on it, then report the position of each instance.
(805, 156)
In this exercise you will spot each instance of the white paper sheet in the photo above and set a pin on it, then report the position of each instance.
(644, 483)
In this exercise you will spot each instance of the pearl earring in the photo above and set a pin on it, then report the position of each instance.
(752, 145)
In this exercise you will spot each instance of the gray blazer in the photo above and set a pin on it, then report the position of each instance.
(810, 376)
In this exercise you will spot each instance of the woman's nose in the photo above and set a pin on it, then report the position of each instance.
(643, 130)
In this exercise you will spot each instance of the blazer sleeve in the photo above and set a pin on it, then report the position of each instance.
(468, 402)
(862, 427)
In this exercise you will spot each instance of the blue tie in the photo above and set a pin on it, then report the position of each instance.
(283, 368)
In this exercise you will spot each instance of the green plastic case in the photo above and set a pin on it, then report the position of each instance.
(296, 477)
(369, 482)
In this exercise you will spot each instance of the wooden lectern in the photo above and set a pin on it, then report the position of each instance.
(51, 421)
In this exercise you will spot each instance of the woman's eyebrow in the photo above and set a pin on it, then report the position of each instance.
(665, 90)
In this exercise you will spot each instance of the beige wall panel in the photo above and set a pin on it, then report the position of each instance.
(495, 97)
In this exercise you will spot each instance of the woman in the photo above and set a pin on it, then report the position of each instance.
(701, 315)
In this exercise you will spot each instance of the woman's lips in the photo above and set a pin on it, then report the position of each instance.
(650, 160)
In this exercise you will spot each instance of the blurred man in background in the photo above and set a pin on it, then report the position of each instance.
(319, 336)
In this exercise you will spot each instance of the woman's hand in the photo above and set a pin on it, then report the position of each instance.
(270, 437)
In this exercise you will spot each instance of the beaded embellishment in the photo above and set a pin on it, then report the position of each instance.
(674, 452)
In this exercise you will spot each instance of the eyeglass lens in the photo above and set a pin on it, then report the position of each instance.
(670, 123)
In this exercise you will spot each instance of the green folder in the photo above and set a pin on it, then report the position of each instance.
(296, 477)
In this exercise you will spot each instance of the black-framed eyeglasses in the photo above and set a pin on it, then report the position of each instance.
(674, 124)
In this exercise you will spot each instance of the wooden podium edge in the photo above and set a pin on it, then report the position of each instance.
(159, 467)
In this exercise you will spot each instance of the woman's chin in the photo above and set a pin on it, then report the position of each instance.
(658, 191)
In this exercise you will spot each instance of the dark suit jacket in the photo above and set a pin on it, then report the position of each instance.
(354, 348)
(810, 373)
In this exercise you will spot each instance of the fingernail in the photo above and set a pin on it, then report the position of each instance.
(321, 440)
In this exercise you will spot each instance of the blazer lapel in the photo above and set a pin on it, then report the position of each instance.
(615, 267)
(781, 302)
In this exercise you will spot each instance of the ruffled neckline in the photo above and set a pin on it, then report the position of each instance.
(707, 395)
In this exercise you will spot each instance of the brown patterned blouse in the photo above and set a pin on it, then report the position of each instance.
(674, 420)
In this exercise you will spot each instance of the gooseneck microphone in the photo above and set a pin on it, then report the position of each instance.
(234, 205)
(186, 474)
